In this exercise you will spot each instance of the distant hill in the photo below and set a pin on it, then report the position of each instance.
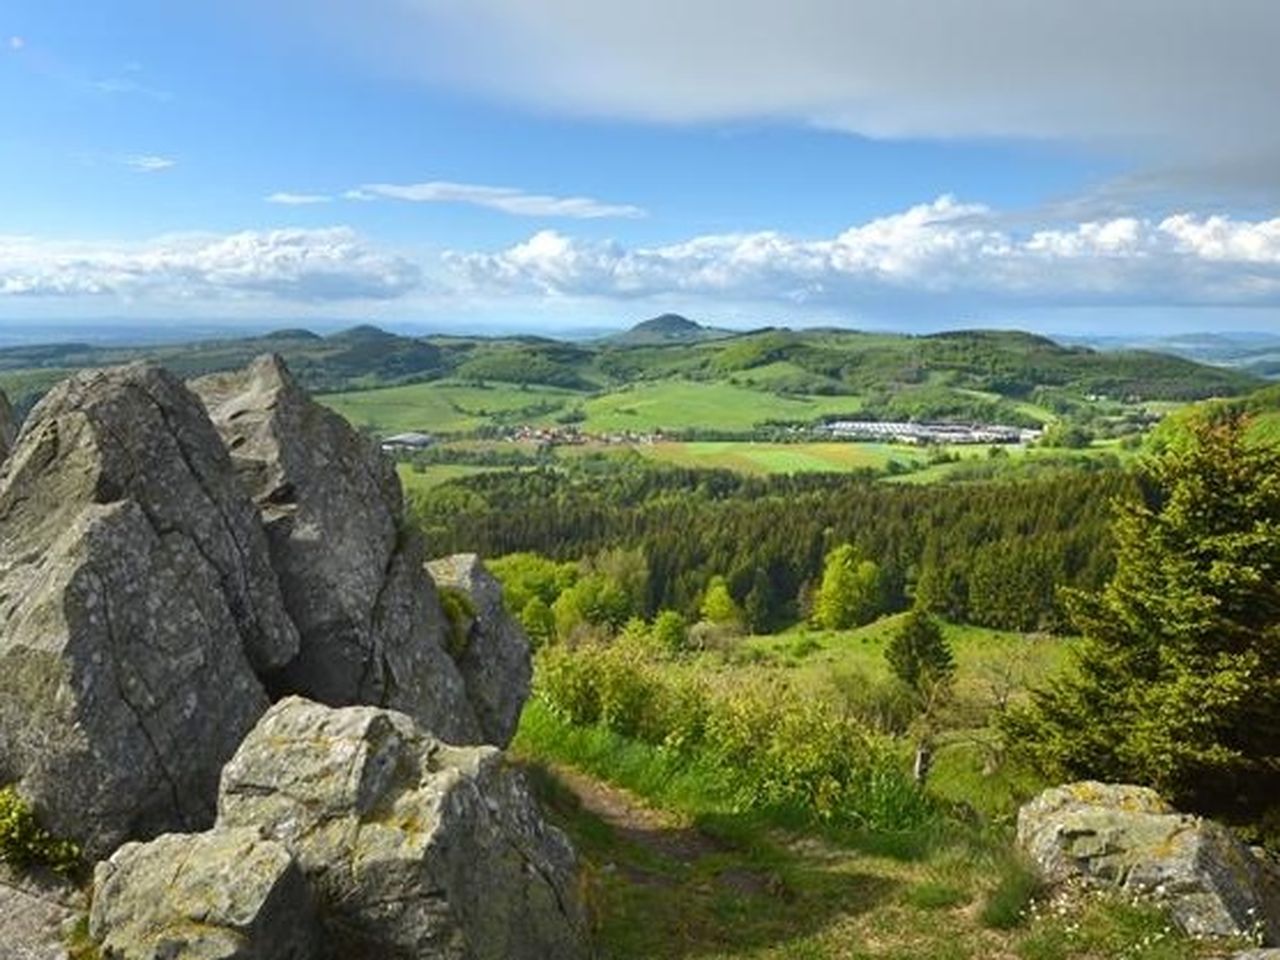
(667, 328)
(965, 375)
(1251, 352)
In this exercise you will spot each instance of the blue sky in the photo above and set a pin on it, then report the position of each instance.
(1065, 166)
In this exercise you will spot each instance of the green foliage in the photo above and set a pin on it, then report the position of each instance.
(539, 622)
(718, 605)
(669, 632)
(918, 654)
(24, 843)
(774, 748)
(852, 591)
(460, 612)
(525, 576)
(1178, 682)
(1008, 903)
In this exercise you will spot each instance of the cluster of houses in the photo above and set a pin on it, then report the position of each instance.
(570, 435)
(926, 433)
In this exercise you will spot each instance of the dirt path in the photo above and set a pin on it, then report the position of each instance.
(635, 821)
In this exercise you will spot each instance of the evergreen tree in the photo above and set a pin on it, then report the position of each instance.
(1178, 681)
(918, 653)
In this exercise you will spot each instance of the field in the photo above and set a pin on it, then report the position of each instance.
(765, 458)
(446, 406)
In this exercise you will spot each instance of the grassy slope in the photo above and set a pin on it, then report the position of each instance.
(685, 875)
(446, 406)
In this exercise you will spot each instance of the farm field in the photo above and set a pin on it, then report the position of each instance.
(764, 458)
(447, 406)
(691, 405)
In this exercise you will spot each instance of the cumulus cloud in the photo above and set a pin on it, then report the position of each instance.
(330, 264)
(1190, 79)
(506, 199)
(148, 163)
(945, 250)
(298, 199)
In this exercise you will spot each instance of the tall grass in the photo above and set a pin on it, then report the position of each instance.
(761, 747)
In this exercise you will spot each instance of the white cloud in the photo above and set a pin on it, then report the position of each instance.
(148, 163)
(331, 264)
(17, 43)
(298, 199)
(944, 251)
(506, 199)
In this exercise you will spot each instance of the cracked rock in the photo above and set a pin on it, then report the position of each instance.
(220, 895)
(8, 427)
(493, 650)
(136, 600)
(413, 848)
(350, 568)
(1127, 837)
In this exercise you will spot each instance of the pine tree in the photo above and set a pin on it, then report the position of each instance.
(1178, 681)
(918, 653)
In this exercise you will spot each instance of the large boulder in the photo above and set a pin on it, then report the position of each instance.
(349, 566)
(413, 848)
(490, 646)
(8, 427)
(220, 895)
(136, 600)
(1128, 837)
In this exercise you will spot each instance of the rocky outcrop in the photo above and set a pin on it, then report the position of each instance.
(37, 913)
(136, 600)
(1127, 837)
(490, 646)
(349, 568)
(226, 894)
(8, 427)
(414, 848)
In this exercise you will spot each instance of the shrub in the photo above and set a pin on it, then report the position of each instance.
(776, 748)
(460, 613)
(24, 843)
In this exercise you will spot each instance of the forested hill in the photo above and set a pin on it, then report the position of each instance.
(894, 375)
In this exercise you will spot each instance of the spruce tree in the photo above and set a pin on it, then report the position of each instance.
(1177, 683)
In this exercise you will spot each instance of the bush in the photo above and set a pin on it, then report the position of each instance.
(775, 748)
(460, 613)
(24, 843)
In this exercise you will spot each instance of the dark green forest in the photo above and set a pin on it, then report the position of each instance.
(992, 554)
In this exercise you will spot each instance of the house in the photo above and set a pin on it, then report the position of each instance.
(407, 441)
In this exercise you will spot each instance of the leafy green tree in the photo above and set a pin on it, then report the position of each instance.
(918, 653)
(539, 622)
(852, 591)
(718, 605)
(1177, 684)
(669, 631)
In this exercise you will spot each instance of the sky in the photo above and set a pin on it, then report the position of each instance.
(1066, 166)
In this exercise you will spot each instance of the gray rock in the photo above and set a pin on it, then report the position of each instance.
(224, 894)
(136, 597)
(8, 427)
(492, 648)
(413, 848)
(37, 912)
(349, 566)
(1127, 837)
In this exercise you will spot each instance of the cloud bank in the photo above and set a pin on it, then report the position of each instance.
(306, 266)
(946, 251)
(1192, 80)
